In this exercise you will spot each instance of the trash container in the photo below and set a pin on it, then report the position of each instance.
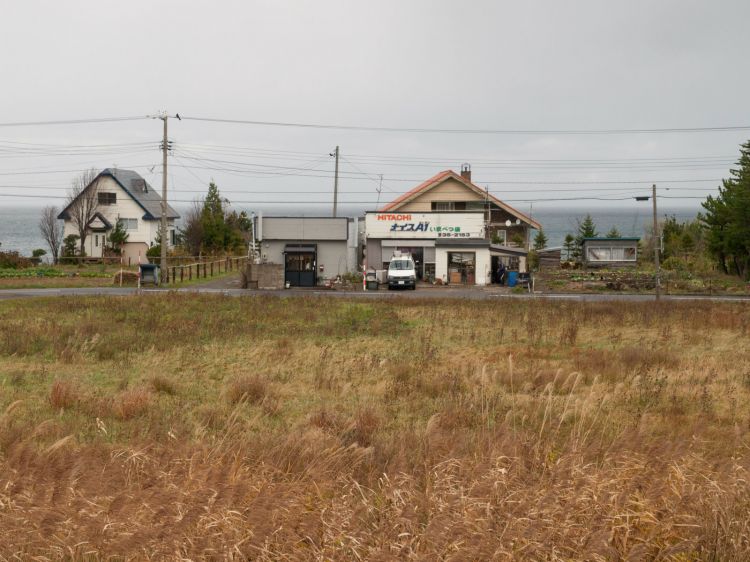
(371, 281)
(512, 278)
(149, 273)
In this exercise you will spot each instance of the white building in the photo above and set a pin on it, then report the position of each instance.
(457, 232)
(124, 196)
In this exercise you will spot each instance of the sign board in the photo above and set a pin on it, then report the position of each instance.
(424, 225)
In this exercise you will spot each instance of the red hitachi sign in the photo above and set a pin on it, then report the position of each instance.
(386, 217)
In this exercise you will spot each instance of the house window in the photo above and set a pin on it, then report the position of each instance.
(448, 205)
(500, 237)
(172, 237)
(129, 224)
(96, 240)
(618, 253)
(106, 198)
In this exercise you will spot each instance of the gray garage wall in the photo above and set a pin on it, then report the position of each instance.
(333, 256)
(304, 228)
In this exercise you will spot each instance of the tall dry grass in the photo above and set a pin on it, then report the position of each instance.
(321, 430)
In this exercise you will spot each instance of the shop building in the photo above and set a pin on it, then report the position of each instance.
(312, 250)
(456, 231)
(446, 246)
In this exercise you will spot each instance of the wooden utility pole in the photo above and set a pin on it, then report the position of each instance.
(657, 243)
(336, 182)
(164, 148)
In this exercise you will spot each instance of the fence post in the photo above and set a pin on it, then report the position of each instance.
(182, 273)
(212, 269)
(190, 272)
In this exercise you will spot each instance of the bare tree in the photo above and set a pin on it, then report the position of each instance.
(83, 199)
(52, 231)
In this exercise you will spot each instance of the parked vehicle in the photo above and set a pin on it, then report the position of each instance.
(402, 273)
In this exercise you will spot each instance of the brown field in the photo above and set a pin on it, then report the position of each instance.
(175, 427)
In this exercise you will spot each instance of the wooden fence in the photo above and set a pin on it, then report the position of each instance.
(203, 269)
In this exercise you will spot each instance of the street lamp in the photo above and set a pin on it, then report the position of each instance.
(656, 239)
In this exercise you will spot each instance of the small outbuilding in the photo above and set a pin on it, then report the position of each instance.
(610, 252)
(311, 249)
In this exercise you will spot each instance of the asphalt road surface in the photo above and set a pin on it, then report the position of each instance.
(473, 293)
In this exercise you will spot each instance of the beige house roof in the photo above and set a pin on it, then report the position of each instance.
(445, 175)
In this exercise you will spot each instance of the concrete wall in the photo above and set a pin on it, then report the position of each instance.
(265, 276)
(374, 254)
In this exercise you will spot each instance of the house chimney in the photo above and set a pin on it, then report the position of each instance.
(466, 171)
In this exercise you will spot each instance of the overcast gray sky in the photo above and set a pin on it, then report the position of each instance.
(405, 64)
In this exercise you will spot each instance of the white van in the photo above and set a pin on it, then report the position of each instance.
(401, 273)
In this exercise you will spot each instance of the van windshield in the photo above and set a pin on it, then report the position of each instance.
(400, 265)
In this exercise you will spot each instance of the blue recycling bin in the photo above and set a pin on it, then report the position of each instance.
(512, 278)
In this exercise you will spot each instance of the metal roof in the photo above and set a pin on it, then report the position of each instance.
(605, 239)
(473, 242)
(148, 199)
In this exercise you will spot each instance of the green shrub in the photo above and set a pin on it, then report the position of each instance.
(14, 260)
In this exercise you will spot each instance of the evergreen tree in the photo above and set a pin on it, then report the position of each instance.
(213, 223)
(586, 229)
(569, 246)
(118, 237)
(727, 219)
(613, 233)
(540, 240)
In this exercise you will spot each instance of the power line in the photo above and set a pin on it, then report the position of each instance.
(470, 131)
(73, 121)
(369, 202)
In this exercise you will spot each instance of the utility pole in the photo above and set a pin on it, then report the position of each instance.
(657, 243)
(336, 181)
(164, 148)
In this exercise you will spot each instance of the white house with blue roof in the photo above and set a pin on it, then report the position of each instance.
(124, 196)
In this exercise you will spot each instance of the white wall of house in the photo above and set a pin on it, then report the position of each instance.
(139, 238)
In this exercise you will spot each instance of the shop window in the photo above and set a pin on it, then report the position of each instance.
(300, 262)
(461, 268)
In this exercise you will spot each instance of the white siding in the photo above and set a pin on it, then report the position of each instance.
(126, 208)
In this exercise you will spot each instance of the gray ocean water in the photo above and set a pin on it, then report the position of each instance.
(19, 228)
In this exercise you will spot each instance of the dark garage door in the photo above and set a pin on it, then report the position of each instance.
(299, 267)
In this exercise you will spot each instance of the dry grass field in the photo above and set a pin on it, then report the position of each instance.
(176, 427)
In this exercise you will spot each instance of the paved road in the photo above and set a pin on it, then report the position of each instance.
(473, 293)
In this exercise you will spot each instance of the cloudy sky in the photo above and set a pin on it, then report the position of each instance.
(476, 65)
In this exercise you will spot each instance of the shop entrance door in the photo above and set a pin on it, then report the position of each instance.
(299, 269)
(461, 268)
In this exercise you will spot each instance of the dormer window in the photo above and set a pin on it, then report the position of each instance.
(106, 198)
